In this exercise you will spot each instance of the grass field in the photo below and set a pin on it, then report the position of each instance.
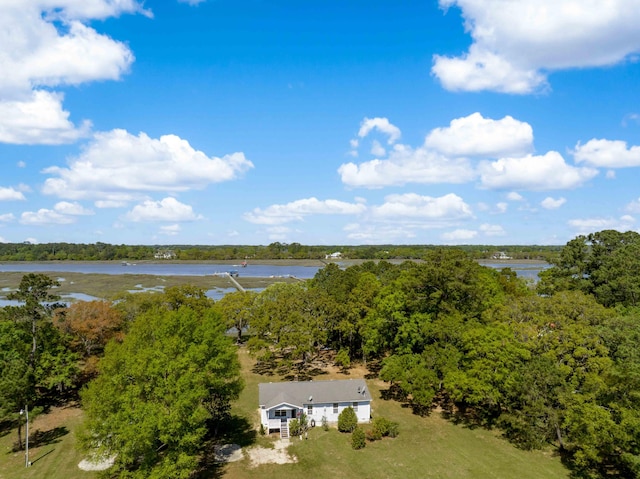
(427, 447)
(51, 450)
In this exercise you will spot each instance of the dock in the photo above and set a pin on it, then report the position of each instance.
(235, 283)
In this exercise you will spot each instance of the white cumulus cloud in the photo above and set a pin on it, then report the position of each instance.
(382, 125)
(475, 135)
(546, 172)
(411, 205)
(514, 196)
(634, 206)
(38, 119)
(45, 217)
(516, 42)
(11, 194)
(46, 44)
(550, 203)
(607, 154)
(459, 235)
(118, 166)
(170, 230)
(299, 209)
(168, 209)
(72, 209)
(379, 233)
(492, 230)
(590, 225)
(407, 165)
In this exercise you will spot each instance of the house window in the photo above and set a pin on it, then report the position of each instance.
(280, 413)
(355, 406)
(310, 410)
(335, 408)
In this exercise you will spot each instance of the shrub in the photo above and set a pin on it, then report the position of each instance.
(394, 429)
(347, 420)
(294, 427)
(373, 435)
(358, 439)
(325, 423)
(342, 359)
(381, 426)
(304, 422)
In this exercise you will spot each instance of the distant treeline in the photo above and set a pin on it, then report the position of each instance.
(105, 252)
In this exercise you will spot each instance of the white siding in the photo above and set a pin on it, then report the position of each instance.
(317, 412)
(326, 410)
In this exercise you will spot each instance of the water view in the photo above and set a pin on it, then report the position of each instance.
(527, 270)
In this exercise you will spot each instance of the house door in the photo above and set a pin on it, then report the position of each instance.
(293, 414)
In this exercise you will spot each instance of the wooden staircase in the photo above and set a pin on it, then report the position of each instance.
(284, 430)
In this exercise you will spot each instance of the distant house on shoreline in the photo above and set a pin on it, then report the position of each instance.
(281, 402)
(336, 255)
(165, 254)
(500, 255)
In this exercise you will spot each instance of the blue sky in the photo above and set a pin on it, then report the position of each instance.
(329, 122)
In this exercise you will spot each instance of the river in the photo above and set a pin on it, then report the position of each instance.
(527, 270)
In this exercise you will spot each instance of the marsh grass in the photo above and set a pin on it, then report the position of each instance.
(108, 286)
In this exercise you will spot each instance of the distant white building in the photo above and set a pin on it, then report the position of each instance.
(336, 255)
(164, 254)
(281, 402)
(501, 255)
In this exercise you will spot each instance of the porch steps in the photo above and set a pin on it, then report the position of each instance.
(284, 431)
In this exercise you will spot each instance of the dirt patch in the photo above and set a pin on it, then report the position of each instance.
(55, 417)
(228, 453)
(278, 455)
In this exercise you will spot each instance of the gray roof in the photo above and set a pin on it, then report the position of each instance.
(297, 393)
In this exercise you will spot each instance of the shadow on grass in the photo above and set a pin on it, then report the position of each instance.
(395, 393)
(43, 438)
(374, 367)
(42, 456)
(236, 430)
(233, 430)
(6, 427)
(264, 368)
(302, 373)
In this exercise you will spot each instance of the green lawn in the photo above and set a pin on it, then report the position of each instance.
(52, 452)
(426, 447)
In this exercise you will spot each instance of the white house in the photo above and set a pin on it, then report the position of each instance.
(281, 402)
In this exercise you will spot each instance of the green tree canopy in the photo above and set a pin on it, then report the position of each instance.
(160, 391)
(605, 264)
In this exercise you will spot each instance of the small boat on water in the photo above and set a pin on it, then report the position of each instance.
(244, 264)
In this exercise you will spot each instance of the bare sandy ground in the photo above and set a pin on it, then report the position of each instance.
(277, 455)
(257, 455)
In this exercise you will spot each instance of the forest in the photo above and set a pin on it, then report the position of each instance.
(107, 252)
(555, 365)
